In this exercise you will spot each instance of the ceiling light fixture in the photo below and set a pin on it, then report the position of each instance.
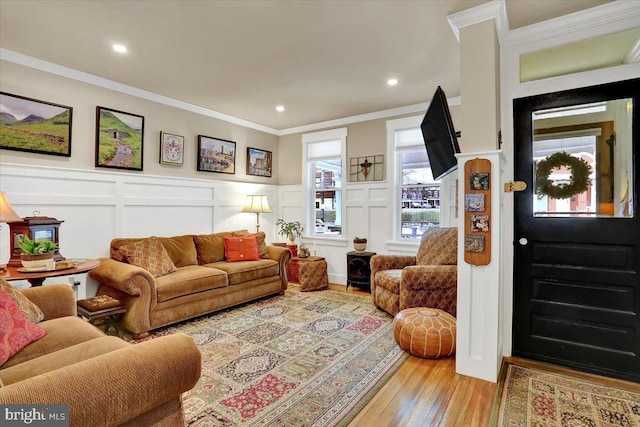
(392, 82)
(280, 108)
(120, 48)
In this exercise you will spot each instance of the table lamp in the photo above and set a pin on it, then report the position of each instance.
(257, 204)
(7, 214)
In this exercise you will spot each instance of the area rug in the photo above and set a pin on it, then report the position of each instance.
(533, 397)
(302, 359)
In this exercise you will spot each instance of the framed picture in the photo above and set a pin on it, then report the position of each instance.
(258, 162)
(119, 139)
(171, 148)
(216, 155)
(479, 181)
(35, 126)
(474, 202)
(473, 243)
(480, 223)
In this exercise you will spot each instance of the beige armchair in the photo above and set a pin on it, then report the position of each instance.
(428, 279)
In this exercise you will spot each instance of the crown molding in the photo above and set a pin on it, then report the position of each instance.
(634, 55)
(492, 10)
(49, 67)
(604, 19)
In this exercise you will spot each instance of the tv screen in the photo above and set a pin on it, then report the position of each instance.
(440, 136)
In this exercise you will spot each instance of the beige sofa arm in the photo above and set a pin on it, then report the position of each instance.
(283, 256)
(54, 300)
(388, 262)
(112, 388)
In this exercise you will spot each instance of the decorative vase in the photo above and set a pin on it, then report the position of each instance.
(360, 246)
(36, 260)
(292, 239)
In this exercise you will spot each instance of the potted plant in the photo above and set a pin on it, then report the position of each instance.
(360, 244)
(36, 254)
(291, 229)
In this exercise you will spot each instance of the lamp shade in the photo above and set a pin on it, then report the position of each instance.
(256, 204)
(7, 214)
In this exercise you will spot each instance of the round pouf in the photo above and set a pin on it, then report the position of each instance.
(425, 332)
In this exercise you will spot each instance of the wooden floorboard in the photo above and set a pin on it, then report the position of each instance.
(425, 393)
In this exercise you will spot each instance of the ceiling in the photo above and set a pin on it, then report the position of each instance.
(321, 60)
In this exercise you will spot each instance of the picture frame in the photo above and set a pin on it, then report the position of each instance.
(216, 155)
(479, 181)
(119, 139)
(480, 223)
(171, 148)
(35, 126)
(474, 202)
(473, 243)
(259, 162)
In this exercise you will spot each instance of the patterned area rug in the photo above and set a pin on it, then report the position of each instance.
(302, 359)
(533, 397)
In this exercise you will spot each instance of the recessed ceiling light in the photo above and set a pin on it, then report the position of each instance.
(280, 108)
(392, 82)
(119, 48)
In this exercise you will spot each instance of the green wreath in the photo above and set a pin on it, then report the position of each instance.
(580, 171)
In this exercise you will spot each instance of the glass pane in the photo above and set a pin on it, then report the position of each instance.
(328, 173)
(583, 160)
(420, 195)
(328, 212)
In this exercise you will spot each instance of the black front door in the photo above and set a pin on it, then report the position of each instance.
(577, 229)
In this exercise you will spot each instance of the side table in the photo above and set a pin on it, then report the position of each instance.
(359, 269)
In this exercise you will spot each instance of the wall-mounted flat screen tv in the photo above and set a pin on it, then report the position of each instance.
(440, 136)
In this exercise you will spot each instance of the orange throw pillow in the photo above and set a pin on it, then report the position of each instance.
(241, 248)
(150, 255)
(17, 331)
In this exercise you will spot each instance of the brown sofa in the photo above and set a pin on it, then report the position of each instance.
(203, 281)
(104, 380)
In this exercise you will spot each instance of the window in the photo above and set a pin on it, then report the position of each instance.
(324, 161)
(416, 193)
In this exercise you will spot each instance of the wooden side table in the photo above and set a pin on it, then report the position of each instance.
(293, 270)
(359, 269)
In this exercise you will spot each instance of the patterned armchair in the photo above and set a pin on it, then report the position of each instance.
(428, 279)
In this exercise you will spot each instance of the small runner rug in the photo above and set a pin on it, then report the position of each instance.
(534, 397)
(302, 359)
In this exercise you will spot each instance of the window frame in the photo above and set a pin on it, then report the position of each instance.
(308, 180)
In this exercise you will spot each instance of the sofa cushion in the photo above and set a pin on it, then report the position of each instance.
(189, 280)
(149, 254)
(262, 244)
(438, 246)
(61, 332)
(181, 250)
(210, 247)
(33, 312)
(389, 280)
(245, 271)
(61, 358)
(16, 331)
(241, 248)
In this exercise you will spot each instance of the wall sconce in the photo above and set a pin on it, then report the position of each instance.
(257, 204)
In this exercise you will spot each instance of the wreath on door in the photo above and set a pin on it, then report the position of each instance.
(579, 180)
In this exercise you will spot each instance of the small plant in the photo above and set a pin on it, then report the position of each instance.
(293, 228)
(32, 247)
(359, 239)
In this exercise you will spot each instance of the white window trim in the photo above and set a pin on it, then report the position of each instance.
(309, 199)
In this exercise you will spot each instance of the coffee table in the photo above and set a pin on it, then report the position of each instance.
(36, 278)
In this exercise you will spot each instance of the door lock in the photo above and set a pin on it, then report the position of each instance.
(514, 186)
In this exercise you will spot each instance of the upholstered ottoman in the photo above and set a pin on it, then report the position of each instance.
(313, 275)
(425, 332)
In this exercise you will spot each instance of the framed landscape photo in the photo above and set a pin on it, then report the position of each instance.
(34, 126)
(216, 155)
(259, 162)
(119, 139)
(171, 148)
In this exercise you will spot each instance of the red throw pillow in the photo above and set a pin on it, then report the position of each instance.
(241, 249)
(16, 331)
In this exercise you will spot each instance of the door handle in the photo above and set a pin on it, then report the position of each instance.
(523, 241)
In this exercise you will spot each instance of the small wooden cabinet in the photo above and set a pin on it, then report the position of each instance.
(359, 269)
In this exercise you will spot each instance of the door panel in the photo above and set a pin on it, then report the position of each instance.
(577, 259)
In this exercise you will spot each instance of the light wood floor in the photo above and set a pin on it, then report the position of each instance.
(426, 392)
